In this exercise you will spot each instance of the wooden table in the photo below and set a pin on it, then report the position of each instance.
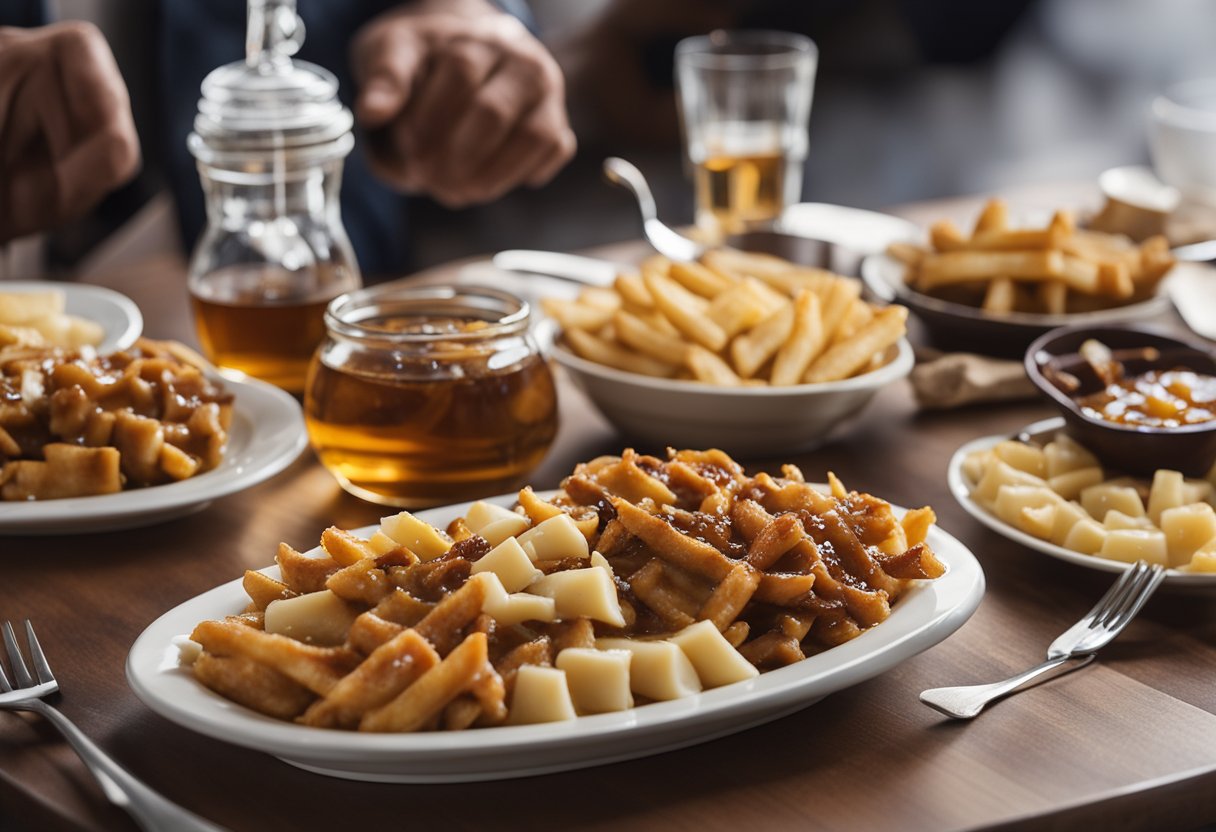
(1129, 742)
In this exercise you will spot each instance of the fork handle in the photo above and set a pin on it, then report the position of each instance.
(967, 701)
(151, 811)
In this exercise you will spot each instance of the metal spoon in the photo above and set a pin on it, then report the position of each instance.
(810, 233)
(665, 240)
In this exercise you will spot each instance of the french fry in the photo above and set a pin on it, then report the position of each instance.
(600, 298)
(750, 350)
(847, 357)
(390, 669)
(945, 236)
(1053, 297)
(762, 266)
(686, 311)
(775, 539)
(994, 217)
(709, 368)
(731, 595)
(640, 335)
(858, 315)
(594, 348)
(633, 291)
(837, 298)
(700, 280)
(807, 338)
(574, 315)
(998, 299)
(906, 253)
(424, 699)
(916, 524)
(740, 307)
(962, 266)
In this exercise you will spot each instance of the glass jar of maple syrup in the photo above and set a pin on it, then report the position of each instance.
(429, 395)
(270, 139)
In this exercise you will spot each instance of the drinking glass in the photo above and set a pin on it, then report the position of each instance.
(1182, 138)
(744, 101)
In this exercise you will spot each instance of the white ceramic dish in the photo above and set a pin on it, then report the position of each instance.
(117, 313)
(266, 436)
(961, 487)
(883, 275)
(745, 421)
(928, 613)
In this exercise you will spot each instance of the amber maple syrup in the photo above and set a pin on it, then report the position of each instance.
(268, 335)
(434, 424)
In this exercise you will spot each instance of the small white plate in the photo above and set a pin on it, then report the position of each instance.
(117, 313)
(930, 611)
(266, 435)
(961, 487)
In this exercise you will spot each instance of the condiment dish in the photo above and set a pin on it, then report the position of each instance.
(1057, 369)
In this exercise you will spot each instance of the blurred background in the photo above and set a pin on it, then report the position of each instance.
(914, 99)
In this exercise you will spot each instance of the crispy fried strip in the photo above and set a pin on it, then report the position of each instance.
(915, 563)
(916, 524)
(316, 668)
(650, 588)
(627, 480)
(538, 651)
(538, 510)
(773, 649)
(253, 685)
(784, 589)
(344, 547)
(775, 539)
(362, 582)
(731, 595)
(425, 698)
(391, 668)
(262, 589)
(667, 542)
(302, 573)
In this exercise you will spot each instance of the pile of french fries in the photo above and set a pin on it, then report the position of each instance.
(733, 319)
(38, 319)
(643, 579)
(1054, 270)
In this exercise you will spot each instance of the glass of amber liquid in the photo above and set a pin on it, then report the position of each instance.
(745, 101)
(429, 395)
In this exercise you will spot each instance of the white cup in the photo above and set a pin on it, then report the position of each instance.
(1182, 138)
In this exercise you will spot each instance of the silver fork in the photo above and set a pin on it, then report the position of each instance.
(151, 811)
(1105, 621)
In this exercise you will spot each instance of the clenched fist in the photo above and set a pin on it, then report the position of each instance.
(66, 133)
(459, 101)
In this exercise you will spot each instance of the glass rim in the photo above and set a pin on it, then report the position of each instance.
(514, 312)
(712, 51)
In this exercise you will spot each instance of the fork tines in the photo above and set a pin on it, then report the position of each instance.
(21, 673)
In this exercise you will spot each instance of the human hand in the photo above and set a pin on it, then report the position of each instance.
(460, 102)
(66, 132)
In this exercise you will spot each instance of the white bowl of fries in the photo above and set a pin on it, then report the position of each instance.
(745, 352)
(998, 289)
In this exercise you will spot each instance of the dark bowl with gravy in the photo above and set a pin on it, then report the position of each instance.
(1150, 404)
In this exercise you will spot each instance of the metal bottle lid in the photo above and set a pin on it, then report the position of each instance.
(270, 102)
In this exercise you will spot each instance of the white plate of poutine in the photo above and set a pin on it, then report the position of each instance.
(928, 612)
(962, 487)
(266, 435)
(117, 315)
